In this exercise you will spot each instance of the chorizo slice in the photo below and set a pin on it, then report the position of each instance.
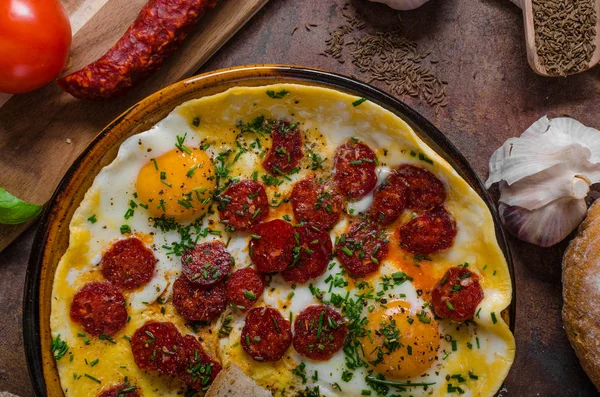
(100, 308)
(430, 232)
(207, 264)
(195, 303)
(361, 250)
(156, 33)
(266, 335)
(159, 347)
(312, 254)
(243, 204)
(244, 288)
(199, 369)
(286, 149)
(319, 332)
(389, 200)
(425, 190)
(355, 169)
(128, 263)
(457, 295)
(272, 246)
(312, 203)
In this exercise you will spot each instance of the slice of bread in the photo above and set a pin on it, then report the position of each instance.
(581, 293)
(233, 382)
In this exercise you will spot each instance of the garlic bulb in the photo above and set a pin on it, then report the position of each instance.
(545, 176)
(402, 4)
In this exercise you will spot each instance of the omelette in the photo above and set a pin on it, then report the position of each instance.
(306, 235)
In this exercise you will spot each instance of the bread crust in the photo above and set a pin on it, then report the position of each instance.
(581, 293)
(233, 382)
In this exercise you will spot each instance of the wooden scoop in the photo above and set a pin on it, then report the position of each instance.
(532, 56)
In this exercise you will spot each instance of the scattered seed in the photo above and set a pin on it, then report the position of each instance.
(388, 57)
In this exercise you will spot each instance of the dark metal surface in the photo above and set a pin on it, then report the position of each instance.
(494, 95)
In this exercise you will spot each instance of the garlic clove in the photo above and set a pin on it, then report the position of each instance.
(568, 131)
(530, 156)
(537, 128)
(505, 151)
(580, 187)
(535, 191)
(403, 5)
(545, 226)
(545, 144)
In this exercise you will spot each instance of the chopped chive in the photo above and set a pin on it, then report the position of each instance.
(320, 325)
(358, 102)
(277, 95)
(190, 172)
(92, 378)
(107, 338)
(179, 145)
(185, 204)
(129, 213)
(275, 323)
(347, 251)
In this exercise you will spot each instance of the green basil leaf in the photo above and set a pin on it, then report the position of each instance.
(14, 210)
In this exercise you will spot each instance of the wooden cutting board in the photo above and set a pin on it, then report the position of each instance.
(43, 132)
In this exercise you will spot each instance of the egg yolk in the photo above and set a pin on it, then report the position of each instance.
(177, 184)
(401, 345)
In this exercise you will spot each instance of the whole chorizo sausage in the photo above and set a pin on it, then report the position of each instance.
(156, 33)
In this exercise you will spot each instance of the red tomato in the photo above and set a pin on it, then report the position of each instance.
(35, 38)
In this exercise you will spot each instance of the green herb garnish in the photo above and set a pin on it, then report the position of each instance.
(14, 210)
(277, 95)
(358, 102)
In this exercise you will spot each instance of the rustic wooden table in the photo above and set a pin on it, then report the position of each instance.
(494, 95)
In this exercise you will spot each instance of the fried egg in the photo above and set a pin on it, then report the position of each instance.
(173, 170)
